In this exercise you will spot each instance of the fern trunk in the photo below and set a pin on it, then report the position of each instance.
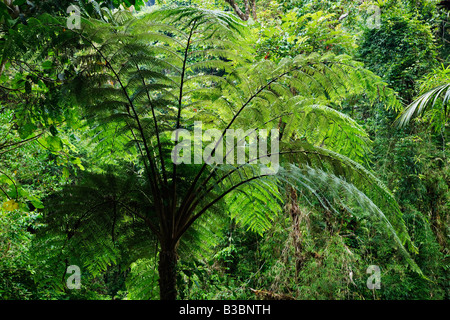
(168, 259)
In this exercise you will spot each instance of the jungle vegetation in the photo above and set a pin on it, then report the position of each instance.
(94, 99)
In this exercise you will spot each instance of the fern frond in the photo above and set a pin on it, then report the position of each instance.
(334, 192)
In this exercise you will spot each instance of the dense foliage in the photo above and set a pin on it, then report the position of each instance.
(90, 117)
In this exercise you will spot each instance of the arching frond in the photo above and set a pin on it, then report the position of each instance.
(437, 97)
(334, 192)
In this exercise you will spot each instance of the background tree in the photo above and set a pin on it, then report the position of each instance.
(249, 9)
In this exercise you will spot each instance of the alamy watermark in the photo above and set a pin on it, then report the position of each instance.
(74, 281)
(74, 18)
(241, 147)
(374, 19)
(374, 281)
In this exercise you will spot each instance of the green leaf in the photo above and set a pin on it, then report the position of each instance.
(66, 173)
(26, 130)
(47, 65)
(5, 179)
(77, 161)
(37, 204)
(53, 143)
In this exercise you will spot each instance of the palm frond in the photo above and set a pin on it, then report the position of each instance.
(439, 95)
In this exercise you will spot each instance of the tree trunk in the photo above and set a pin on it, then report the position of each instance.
(253, 7)
(168, 259)
(250, 8)
(14, 11)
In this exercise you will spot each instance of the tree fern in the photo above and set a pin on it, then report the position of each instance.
(142, 78)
